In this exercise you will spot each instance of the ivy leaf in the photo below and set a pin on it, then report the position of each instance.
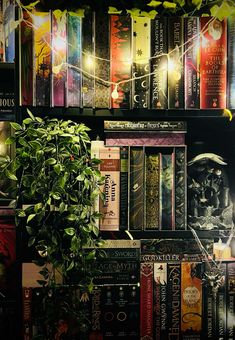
(222, 11)
(16, 126)
(180, 2)
(78, 13)
(70, 266)
(72, 217)
(30, 230)
(35, 144)
(29, 112)
(50, 161)
(70, 231)
(32, 5)
(10, 175)
(197, 3)
(27, 121)
(154, 3)
(57, 168)
(30, 217)
(169, 5)
(228, 113)
(134, 12)
(91, 255)
(21, 213)
(113, 10)
(37, 207)
(31, 241)
(10, 140)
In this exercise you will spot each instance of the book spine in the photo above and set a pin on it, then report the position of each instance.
(88, 60)
(180, 175)
(59, 57)
(74, 53)
(174, 307)
(9, 32)
(160, 300)
(27, 313)
(154, 126)
(96, 311)
(141, 54)
(213, 63)
(167, 191)
(42, 60)
(2, 48)
(152, 180)
(120, 58)
(221, 307)
(175, 67)
(121, 314)
(124, 153)
(231, 64)
(110, 169)
(209, 316)
(108, 324)
(146, 301)
(133, 309)
(136, 188)
(230, 300)
(159, 49)
(26, 61)
(102, 67)
(191, 62)
(191, 300)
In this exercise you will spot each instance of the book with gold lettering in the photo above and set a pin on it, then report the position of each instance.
(213, 79)
(174, 299)
(110, 169)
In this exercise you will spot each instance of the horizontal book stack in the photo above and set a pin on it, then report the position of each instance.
(115, 61)
(144, 165)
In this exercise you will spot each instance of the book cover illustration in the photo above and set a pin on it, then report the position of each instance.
(159, 49)
(209, 201)
(102, 62)
(74, 55)
(59, 57)
(152, 187)
(120, 59)
(2, 52)
(175, 63)
(191, 62)
(9, 31)
(26, 60)
(213, 80)
(88, 60)
(42, 58)
(191, 300)
(141, 64)
(136, 188)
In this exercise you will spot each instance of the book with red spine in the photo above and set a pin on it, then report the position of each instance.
(59, 57)
(120, 58)
(26, 60)
(213, 60)
(146, 301)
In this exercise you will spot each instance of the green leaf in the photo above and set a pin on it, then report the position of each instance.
(30, 7)
(134, 12)
(72, 217)
(16, 126)
(91, 255)
(222, 11)
(35, 144)
(73, 197)
(30, 230)
(38, 207)
(23, 142)
(197, 3)
(70, 266)
(113, 10)
(78, 13)
(62, 207)
(31, 241)
(42, 282)
(30, 114)
(57, 168)
(27, 121)
(10, 140)
(10, 175)
(20, 213)
(30, 217)
(169, 5)
(154, 3)
(70, 231)
(50, 161)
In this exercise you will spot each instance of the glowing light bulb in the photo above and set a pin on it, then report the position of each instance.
(171, 65)
(114, 94)
(89, 61)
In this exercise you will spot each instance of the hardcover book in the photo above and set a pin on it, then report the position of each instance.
(26, 60)
(120, 59)
(110, 169)
(152, 187)
(231, 64)
(74, 57)
(136, 188)
(191, 62)
(146, 301)
(160, 300)
(96, 332)
(191, 300)
(175, 63)
(102, 66)
(59, 57)
(2, 52)
(213, 80)
(159, 49)
(230, 316)
(174, 305)
(124, 154)
(166, 192)
(42, 61)
(221, 307)
(108, 323)
(141, 54)
(9, 31)
(180, 179)
(27, 313)
(163, 126)
(88, 60)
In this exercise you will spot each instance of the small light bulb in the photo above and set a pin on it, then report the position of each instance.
(89, 61)
(114, 94)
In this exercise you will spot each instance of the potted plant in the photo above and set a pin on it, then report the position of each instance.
(57, 184)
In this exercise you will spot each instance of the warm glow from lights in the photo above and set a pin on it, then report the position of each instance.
(59, 43)
(89, 61)
(114, 94)
(56, 69)
(204, 41)
(171, 64)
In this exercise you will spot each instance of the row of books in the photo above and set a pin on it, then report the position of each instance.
(145, 178)
(66, 60)
(7, 31)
